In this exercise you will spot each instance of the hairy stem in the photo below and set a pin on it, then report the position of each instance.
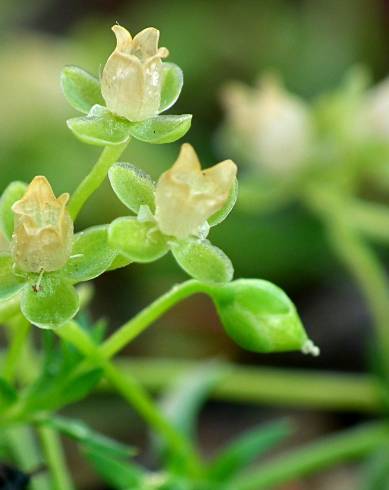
(349, 445)
(95, 178)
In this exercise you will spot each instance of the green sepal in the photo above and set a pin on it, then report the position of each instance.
(161, 129)
(13, 192)
(100, 127)
(202, 260)
(81, 89)
(172, 82)
(260, 317)
(49, 301)
(91, 255)
(132, 186)
(222, 214)
(10, 282)
(136, 240)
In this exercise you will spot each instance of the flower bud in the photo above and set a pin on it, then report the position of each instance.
(43, 233)
(132, 79)
(273, 127)
(187, 196)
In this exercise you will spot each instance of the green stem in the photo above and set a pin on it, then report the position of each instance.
(132, 391)
(349, 445)
(24, 449)
(95, 178)
(257, 385)
(55, 459)
(19, 330)
(131, 329)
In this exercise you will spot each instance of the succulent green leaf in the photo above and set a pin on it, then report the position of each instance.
(222, 214)
(10, 283)
(172, 82)
(100, 127)
(248, 446)
(202, 260)
(80, 88)
(132, 186)
(161, 129)
(260, 317)
(12, 193)
(49, 301)
(91, 255)
(136, 240)
(82, 433)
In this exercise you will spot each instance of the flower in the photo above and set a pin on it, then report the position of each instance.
(43, 233)
(187, 196)
(132, 77)
(273, 127)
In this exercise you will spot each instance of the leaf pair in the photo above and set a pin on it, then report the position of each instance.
(139, 239)
(101, 127)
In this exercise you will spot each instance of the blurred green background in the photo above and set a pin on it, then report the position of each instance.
(311, 43)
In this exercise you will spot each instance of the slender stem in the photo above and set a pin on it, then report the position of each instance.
(131, 390)
(55, 459)
(95, 178)
(25, 450)
(371, 219)
(142, 320)
(349, 445)
(295, 388)
(19, 330)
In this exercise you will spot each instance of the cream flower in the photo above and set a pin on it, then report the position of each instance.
(43, 234)
(274, 125)
(131, 80)
(187, 196)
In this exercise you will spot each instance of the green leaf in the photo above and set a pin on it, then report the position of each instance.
(8, 394)
(203, 261)
(117, 473)
(161, 129)
(100, 127)
(80, 88)
(222, 214)
(376, 471)
(10, 283)
(51, 302)
(91, 255)
(132, 186)
(136, 240)
(248, 446)
(11, 194)
(118, 262)
(260, 317)
(172, 82)
(82, 433)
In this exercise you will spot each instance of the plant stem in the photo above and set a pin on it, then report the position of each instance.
(26, 453)
(55, 459)
(245, 384)
(19, 330)
(95, 178)
(142, 320)
(349, 445)
(132, 391)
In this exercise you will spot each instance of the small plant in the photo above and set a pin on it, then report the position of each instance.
(44, 263)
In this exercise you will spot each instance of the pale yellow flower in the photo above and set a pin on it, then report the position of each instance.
(187, 196)
(132, 77)
(274, 126)
(43, 234)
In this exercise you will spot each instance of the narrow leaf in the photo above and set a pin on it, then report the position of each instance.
(172, 82)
